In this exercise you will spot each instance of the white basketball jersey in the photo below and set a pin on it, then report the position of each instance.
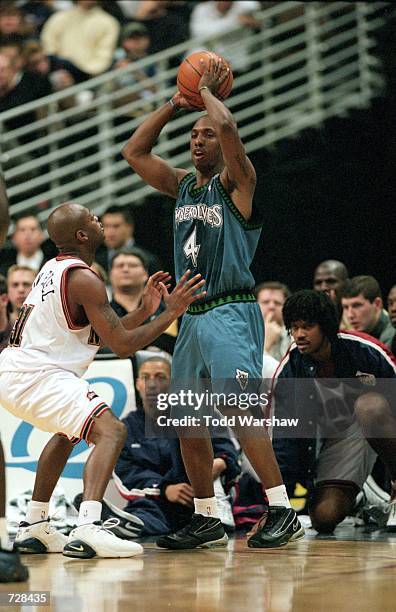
(44, 335)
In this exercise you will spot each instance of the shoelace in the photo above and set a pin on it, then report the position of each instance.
(108, 524)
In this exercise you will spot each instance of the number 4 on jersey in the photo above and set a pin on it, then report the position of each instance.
(191, 248)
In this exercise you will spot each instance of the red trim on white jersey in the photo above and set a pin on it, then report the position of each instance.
(63, 292)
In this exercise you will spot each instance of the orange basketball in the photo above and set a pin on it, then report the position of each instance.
(189, 75)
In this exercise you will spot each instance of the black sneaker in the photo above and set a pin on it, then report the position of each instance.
(201, 532)
(129, 527)
(280, 527)
(11, 568)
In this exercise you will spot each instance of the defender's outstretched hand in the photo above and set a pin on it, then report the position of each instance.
(152, 293)
(183, 294)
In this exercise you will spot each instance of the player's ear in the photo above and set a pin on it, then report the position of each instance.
(81, 236)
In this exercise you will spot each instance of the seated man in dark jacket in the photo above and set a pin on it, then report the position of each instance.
(337, 385)
(150, 473)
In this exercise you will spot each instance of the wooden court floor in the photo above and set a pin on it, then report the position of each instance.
(315, 575)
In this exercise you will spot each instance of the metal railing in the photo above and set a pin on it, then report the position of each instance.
(309, 61)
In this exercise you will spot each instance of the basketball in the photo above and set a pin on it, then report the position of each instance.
(189, 75)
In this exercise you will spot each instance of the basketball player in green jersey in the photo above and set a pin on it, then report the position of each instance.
(11, 568)
(222, 337)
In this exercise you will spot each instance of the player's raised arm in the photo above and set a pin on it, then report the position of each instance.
(87, 290)
(4, 215)
(238, 176)
(137, 151)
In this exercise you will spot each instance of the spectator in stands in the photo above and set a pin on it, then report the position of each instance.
(5, 321)
(12, 23)
(85, 35)
(330, 276)
(13, 49)
(17, 87)
(135, 41)
(134, 45)
(363, 308)
(216, 19)
(326, 382)
(119, 230)
(150, 472)
(28, 247)
(392, 305)
(271, 296)
(165, 21)
(128, 276)
(37, 12)
(19, 284)
(60, 72)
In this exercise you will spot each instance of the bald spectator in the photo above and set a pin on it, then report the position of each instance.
(363, 308)
(85, 35)
(271, 296)
(330, 276)
(19, 283)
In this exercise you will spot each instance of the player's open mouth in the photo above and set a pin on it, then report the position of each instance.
(198, 153)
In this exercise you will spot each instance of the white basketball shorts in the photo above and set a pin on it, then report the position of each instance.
(52, 400)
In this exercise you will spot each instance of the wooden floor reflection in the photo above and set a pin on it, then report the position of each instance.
(313, 575)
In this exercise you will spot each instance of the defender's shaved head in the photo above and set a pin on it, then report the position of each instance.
(72, 227)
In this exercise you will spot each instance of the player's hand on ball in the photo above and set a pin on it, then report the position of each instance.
(214, 74)
(183, 294)
(182, 102)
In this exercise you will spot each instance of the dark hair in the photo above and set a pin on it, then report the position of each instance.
(273, 285)
(26, 215)
(367, 286)
(312, 307)
(135, 251)
(120, 210)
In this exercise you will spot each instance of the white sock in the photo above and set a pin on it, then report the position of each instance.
(5, 543)
(207, 506)
(90, 512)
(277, 496)
(37, 511)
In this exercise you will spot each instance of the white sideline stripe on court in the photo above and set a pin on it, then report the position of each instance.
(127, 493)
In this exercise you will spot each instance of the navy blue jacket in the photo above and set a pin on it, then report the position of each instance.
(359, 360)
(147, 465)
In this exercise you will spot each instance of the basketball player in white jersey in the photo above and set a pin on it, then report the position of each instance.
(11, 568)
(62, 323)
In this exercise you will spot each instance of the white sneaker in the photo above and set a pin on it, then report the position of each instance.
(41, 537)
(95, 540)
(223, 505)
